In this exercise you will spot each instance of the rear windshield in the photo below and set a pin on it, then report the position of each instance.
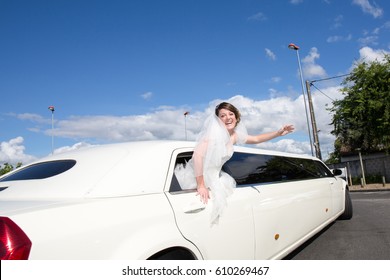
(40, 170)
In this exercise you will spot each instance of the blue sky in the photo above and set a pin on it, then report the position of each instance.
(119, 70)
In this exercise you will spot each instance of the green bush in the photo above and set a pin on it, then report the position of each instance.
(370, 179)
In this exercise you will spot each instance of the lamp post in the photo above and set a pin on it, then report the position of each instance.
(185, 124)
(296, 48)
(51, 108)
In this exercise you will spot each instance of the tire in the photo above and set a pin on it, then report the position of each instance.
(348, 212)
(175, 253)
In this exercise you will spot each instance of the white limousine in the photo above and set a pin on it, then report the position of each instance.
(122, 201)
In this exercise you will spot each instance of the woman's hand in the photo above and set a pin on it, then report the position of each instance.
(203, 192)
(286, 130)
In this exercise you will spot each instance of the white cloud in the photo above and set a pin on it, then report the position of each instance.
(337, 22)
(12, 152)
(333, 39)
(287, 145)
(74, 147)
(368, 54)
(270, 54)
(169, 123)
(310, 68)
(147, 95)
(369, 40)
(33, 118)
(312, 56)
(372, 37)
(259, 116)
(165, 123)
(296, 2)
(338, 38)
(257, 17)
(369, 8)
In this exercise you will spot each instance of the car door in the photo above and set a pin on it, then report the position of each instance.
(287, 213)
(292, 208)
(231, 238)
(294, 199)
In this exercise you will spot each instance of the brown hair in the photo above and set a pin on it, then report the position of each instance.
(230, 107)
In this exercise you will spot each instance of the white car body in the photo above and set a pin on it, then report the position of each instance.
(117, 202)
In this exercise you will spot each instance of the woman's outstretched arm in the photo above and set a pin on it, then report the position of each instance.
(256, 139)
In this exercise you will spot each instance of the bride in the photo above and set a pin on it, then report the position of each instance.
(214, 147)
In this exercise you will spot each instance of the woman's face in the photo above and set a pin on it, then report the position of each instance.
(228, 118)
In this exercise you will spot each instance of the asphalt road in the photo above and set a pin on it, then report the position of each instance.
(365, 237)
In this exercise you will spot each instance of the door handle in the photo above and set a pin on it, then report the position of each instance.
(195, 210)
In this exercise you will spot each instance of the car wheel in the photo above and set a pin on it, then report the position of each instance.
(348, 212)
(173, 254)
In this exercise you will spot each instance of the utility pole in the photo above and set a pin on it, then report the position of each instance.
(313, 122)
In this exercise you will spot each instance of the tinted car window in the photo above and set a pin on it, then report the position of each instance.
(40, 170)
(250, 169)
(255, 169)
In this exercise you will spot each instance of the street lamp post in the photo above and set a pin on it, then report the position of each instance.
(51, 108)
(296, 48)
(185, 124)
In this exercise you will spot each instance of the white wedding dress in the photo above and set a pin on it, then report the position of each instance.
(214, 147)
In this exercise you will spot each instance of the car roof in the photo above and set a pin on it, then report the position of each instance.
(102, 171)
(109, 170)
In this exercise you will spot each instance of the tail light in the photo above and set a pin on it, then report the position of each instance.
(14, 243)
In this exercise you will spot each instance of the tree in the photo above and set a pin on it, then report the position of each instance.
(8, 167)
(362, 118)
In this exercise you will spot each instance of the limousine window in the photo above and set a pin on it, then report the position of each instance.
(182, 158)
(249, 169)
(40, 170)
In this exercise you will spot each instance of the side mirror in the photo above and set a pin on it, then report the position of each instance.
(337, 172)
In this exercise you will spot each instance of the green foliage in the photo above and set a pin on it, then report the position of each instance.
(370, 179)
(332, 159)
(8, 167)
(362, 118)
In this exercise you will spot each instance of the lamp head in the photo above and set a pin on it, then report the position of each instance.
(293, 47)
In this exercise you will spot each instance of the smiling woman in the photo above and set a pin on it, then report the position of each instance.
(214, 147)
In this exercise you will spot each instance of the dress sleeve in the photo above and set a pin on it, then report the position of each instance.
(242, 134)
(198, 157)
